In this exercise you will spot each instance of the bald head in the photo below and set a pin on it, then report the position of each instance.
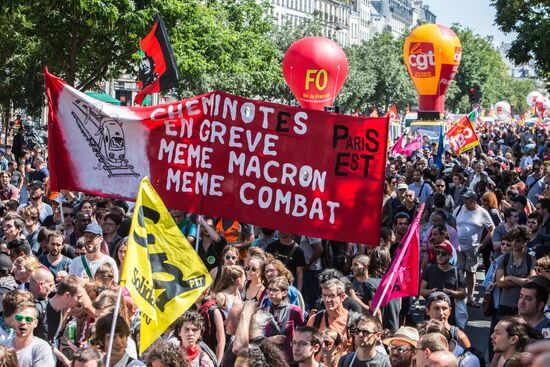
(41, 283)
(42, 274)
(442, 358)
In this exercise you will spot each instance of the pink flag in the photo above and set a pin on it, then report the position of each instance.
(397, 147)
(403, 276)
(416, 144)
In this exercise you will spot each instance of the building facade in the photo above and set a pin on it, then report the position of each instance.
(354, 21)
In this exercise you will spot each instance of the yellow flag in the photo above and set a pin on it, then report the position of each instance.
(163, 273)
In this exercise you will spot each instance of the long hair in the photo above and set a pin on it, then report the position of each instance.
(230, 274)
(379, 261)
(281, 271)
(491, 200)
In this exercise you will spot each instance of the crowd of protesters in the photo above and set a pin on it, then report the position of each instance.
(279, 298)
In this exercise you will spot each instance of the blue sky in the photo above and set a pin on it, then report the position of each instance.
(477, 15)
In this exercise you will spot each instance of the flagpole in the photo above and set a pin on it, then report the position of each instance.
(113, 325)
(399, 259)
(122, 282)
(392, 275)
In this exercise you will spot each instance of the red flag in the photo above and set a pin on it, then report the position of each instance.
(392, 114)
(158, 70)
(402, 278)
(217, 154)
(462, 136)
(374, 112)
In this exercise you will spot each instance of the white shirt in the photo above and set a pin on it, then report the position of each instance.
(77, 267)
(470, 224)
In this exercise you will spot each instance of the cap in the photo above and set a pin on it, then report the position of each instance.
(520, 199)
(446, 245)
(5, 262)
(437, 296)
(402, 186)
(38, 184)
(2, 151)
(469, 195)
(405, 334)
(94, 228)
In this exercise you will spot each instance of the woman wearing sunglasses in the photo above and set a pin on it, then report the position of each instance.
(230, 256)
(331, 348)
(253, 287)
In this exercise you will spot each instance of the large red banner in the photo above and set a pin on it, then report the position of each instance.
(298, 170)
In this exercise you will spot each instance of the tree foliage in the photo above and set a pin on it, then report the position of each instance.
(530, 20)
(217, 44)
(377, 76)
(482, 66)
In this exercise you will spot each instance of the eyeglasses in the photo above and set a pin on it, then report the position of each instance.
(109, 223)
(251, 268)
(440, 185)
(505, 244)
(441, 253)
(273, 290)
(229, 257)
(299, 344)
(23, 318)
(399, 349)
(68, 215)
(365, 332)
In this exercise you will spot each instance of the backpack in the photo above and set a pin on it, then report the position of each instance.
(205, 349)
(475, 352)
(323, 313)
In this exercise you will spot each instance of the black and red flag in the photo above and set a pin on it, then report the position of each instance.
(157, 69)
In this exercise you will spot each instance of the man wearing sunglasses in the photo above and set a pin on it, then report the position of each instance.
(443, 277)
(31, 350)
(367, 334)
(401, 346)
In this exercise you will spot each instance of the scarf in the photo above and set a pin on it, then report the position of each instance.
(193, 352)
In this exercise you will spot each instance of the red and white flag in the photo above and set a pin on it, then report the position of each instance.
(462, 136)
(392, 114)
(276, 166)
(402, 279)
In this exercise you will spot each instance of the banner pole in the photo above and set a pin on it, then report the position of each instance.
(197, 237)
(113, 324)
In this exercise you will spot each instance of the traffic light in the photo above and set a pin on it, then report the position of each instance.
(475, 95)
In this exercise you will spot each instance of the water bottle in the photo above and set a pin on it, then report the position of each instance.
(71, 330)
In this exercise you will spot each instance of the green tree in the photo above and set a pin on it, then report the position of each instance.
(482, 66)
(530, 21)
(284, 37)
(217, 44)
(378, 76)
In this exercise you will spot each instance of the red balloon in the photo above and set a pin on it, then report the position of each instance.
(315, 69)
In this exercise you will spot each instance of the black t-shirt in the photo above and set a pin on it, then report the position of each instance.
(281, 252)
(440, 279)
(212, 257)
(48, 321)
